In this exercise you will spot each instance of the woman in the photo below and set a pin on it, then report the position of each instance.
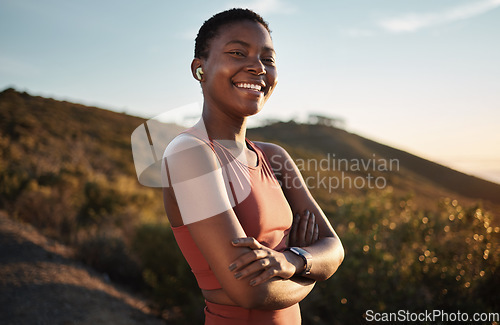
(226, 197)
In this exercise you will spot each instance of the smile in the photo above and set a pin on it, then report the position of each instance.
(254, 87)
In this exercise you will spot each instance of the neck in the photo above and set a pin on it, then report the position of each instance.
(223, 127)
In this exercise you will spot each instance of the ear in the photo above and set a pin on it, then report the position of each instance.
(195, 64)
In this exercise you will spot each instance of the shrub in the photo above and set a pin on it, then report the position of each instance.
(399, 257)
(166, 271)
(110, 255)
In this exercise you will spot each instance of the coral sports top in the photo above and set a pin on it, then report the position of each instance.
(263, 210)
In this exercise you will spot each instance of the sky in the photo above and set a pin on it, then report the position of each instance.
(419, 75)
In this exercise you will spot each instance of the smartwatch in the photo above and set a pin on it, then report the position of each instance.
(305, 256)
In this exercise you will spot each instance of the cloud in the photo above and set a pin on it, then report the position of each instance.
(415, 21)
(265, 7)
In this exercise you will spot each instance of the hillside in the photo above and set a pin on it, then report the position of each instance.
(68, 131)
(424, 178)
(423, 241)
(62, 133)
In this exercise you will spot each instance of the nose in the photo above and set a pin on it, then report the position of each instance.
(256, 66)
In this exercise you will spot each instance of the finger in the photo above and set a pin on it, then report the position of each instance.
(316, 234)
(249, 242)
(255, 267)
(264, 276)
(310, 229)
(303, 228)
(247, 258)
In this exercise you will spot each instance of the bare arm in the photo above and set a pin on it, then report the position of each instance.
(213, 236)
(198, 186)
(327, 252)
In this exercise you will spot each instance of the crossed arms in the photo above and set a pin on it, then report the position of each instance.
(251, 275)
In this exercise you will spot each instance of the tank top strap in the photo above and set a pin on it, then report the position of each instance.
(198, 135)
(224, 158)
(207, 140)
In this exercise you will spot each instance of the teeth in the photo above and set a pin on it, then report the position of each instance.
(249, 86)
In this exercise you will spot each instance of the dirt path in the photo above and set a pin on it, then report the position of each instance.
(41, 284)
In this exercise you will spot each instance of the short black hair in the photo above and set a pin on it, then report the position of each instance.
(210, 27)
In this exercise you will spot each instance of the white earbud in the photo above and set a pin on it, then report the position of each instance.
(199, 73)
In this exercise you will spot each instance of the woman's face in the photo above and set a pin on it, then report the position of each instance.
(239, 73)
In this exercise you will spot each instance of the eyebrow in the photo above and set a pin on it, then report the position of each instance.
(267, 48)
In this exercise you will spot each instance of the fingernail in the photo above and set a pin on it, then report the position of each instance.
(232, 267)
(237, 275)
(235, 241)
(252, 282)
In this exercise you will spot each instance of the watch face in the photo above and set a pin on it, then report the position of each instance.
(300, 251)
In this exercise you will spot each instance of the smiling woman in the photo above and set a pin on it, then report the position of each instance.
(256, 248)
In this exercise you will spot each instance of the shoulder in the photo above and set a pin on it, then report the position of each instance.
(187, 152)
(185, 141)
(271, 149)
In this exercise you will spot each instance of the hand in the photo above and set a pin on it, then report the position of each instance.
(262, 261)
(305, 230)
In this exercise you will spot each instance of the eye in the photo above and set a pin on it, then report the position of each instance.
(269, 60)
(236, 53)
